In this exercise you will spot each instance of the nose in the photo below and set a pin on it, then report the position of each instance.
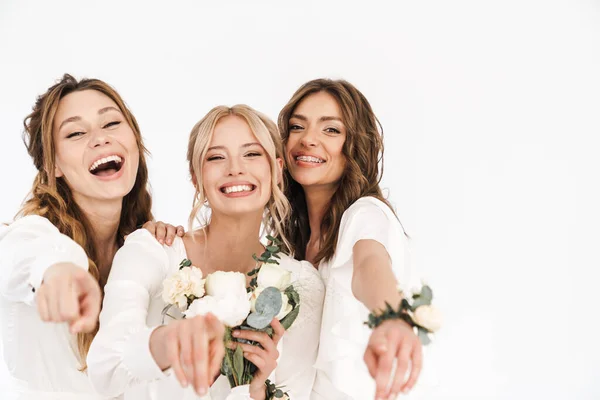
(309, 138)
(236, 167)
(100, 138)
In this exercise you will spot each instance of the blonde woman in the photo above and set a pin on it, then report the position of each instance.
(235, 158)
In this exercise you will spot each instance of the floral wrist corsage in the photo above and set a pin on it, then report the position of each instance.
(418, 313)
(273, 392)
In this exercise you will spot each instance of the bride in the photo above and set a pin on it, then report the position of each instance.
(235, 158)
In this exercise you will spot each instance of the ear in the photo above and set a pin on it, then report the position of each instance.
(279, 170)
(194, 180)
(58, 172)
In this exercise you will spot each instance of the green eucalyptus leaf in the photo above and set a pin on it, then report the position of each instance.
(269, 302)
(273, 239)
(272, 249)
(426, 293)
(278, 393)
(258, 321)
(423, 336)
(289, 319)
(238, 363)
(272, 262)
(293, 295)
(420, 301)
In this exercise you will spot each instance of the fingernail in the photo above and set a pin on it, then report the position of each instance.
(161, 241)
(236, 333)
(169, 242)
(202, 391)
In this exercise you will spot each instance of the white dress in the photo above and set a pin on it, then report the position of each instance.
(120, 360)
(341, 370)
(41, 357)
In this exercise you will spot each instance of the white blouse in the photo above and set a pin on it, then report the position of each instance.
(120, 360)
(341, 370)
(42, 358)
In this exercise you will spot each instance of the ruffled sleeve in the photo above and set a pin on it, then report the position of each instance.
(120, 354)
(342, 372)
(27, 248)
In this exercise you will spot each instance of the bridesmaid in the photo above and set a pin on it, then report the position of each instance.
(235, 158)
(343, 225)
(89, 192)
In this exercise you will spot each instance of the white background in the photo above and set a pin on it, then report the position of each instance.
(491, 112)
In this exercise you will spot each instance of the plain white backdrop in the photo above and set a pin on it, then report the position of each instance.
(491, 113)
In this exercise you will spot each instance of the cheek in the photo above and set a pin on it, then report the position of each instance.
(289, 144)
(209, 177)
(68, 159)
(129, 142)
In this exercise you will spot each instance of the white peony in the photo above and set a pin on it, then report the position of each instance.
(273, 275)
(428, 317)
(231, 310)
(225, 284)
(186, 282)
(286, 307)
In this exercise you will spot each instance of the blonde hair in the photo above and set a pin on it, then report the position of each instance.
(52, 198)
(265, 130)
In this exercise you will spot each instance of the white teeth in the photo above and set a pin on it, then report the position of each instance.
(104, 160)
(238, 188)
(310, 159)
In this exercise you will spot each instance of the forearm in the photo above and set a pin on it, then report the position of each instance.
(158, 348)
(374, 283)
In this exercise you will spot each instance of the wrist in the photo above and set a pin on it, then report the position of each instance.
(418, 313)
(158, 347)
(257, 392)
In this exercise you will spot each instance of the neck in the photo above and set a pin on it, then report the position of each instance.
(104, 218)
(317, 200)
(232, 241)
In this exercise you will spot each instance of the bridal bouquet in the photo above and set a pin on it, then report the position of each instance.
(225, 295)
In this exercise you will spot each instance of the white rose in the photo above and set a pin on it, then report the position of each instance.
(192, 276)
(225, 284)
(428, 317)
(274, 275)
(286, 307)
(186, 282)
(231, 310)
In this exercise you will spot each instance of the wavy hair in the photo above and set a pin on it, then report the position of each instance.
(52, 198)
(363, 150)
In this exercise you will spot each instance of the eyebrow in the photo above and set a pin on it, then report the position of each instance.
(78, 118)
(322, 119)
(243, 146)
